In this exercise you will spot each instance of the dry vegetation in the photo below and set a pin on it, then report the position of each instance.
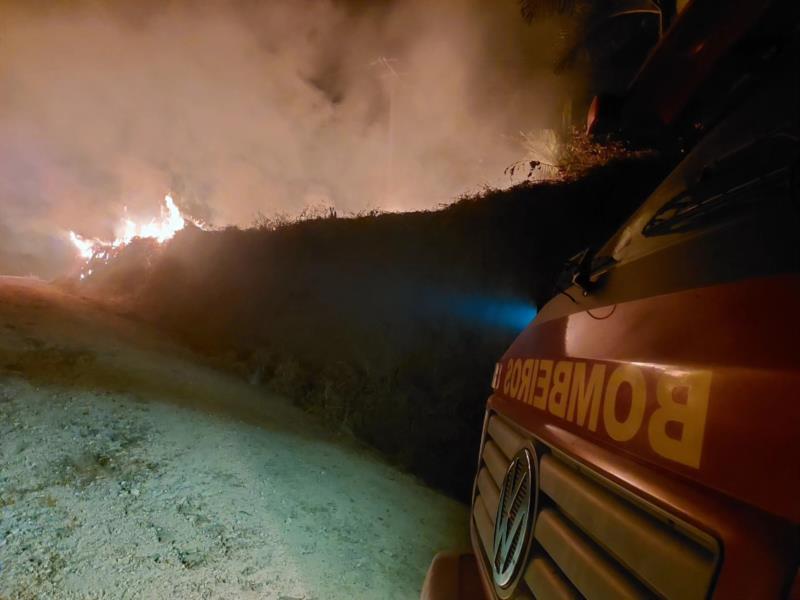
(371, 322)
(568, 155)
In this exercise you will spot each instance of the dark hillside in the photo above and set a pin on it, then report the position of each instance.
(386, 326)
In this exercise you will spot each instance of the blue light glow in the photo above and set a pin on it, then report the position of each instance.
(495, 312)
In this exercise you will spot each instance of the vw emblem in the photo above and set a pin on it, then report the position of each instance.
(516, 511)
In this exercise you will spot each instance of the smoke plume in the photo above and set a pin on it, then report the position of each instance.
(246, 108)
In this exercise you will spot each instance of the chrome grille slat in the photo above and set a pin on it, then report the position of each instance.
(590, 571)
(489, 492)
(508, 440)
(484, 524)
(496, 462)
(664, 560)
(546, 582)
(593, 539)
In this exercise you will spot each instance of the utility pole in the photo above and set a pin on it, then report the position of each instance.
(392, 77)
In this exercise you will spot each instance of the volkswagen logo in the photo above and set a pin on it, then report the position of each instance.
(516, 511)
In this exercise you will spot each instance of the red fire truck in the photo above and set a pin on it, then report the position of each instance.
(642, 439)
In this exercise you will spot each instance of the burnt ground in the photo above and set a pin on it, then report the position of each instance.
(131, 469)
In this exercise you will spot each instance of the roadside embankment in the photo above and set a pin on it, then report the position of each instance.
(386, 326)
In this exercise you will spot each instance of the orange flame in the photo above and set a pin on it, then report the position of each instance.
(170, 222)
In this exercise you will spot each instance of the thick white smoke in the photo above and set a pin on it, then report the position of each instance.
(242, 108)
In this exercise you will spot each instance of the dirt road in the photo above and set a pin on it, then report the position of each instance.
(128, 469)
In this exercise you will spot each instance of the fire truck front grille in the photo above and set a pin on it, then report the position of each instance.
(591, 539)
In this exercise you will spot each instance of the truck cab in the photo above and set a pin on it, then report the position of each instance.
(641, 437)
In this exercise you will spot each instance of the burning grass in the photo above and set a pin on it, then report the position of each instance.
(96, 252)
(385, 326)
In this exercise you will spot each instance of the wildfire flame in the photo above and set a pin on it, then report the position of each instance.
(85, 247)
(162, 229)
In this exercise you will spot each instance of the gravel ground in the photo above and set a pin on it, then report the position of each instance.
(130, 470)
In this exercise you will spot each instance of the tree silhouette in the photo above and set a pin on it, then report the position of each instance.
(537, 9)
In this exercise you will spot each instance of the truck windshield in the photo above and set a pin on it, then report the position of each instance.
(752, 175)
